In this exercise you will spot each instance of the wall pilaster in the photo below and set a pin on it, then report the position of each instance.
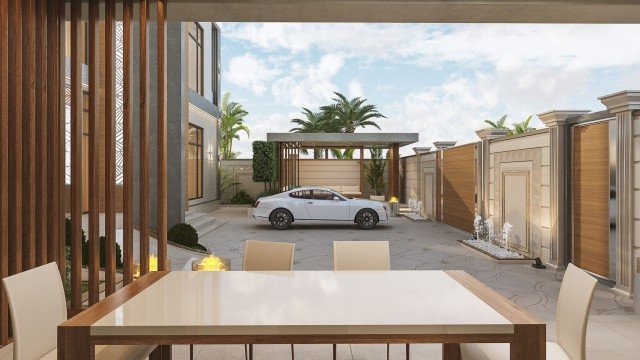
(483, 166)
(559, 151)
(622, 105)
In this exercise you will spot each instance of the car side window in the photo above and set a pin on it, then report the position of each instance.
(322, 195)
(304, 194)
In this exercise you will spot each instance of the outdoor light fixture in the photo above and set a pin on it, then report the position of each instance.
(153, 266)
(538, 264)
(211, 263)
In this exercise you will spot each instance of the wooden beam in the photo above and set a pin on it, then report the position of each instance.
(144, 146)
(60, 135)
(127, 155)
(362, 171)
(162, 136)
(94, 152)
(4, 166)
(29, 135)
(15, 133)
(110, 146)
(76, 153)
(42, 135)
(52, 127)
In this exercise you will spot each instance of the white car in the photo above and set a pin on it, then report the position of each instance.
(318, 203)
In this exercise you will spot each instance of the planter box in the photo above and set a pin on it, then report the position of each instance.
(380, 198)
(524, 260)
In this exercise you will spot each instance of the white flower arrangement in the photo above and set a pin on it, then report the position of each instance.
(506, 233)
(478, 226)
(490, 230)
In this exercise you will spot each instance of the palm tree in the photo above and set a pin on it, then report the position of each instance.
(522, 127)
(343, 154)
(500, 124)
(351, 114)
(319, 122)
(231, 125)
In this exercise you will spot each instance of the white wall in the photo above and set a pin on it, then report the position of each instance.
(209, 124)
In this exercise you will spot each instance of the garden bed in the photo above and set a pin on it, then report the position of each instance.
(414, 217)
(495, 252)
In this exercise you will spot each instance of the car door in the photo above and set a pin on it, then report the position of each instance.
(296, 204)
(323, 206)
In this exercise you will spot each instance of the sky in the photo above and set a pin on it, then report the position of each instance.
(440, 81)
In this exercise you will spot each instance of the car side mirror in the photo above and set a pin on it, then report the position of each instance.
(336, 199)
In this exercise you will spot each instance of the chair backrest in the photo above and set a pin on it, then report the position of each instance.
(268, 256)
(574, 301)
(361, 255)
(37, 305)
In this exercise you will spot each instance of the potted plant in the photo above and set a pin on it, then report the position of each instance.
(374, 174)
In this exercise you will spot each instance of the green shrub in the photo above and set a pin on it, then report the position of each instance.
(183, 234)
(265, 161)
(85, 247)
(268, 192)
(242, 198)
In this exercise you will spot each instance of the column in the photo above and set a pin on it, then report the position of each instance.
(559, 231)
(624, 106)
(483, 167)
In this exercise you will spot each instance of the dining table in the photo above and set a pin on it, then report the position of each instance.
(447, 307)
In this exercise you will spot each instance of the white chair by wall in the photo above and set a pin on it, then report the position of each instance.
(37, 305)
(267, 256)
(574, 301)
(362, 255)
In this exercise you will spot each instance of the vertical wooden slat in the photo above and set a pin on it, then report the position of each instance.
(76, 154)
(110, 147)
(162, 137)
(94, 152)
(4, 166)
(60, 134)
(362, 171)
(29, 135)
(42, 135)
(52, 133)
(127, 156)
(15, 133)
(144, 148)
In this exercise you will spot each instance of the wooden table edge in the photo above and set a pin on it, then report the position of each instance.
(512, 312)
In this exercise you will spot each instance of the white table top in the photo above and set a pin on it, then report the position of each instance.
(304, 302)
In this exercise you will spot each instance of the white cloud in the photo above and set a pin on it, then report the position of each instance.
(249, 72)
(503, 45)
(260, 125)
(355, 89)
(308, 85)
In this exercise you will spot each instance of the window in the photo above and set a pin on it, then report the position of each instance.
(194, 165)
(216, 64)
(304, 194)
(195, 47)
(323, 195)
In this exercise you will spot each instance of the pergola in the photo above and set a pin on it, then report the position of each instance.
(290, 144)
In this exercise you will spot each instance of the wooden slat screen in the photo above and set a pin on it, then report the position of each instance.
(458, 186)
(33, 82)
(591, 197)
(4, 165)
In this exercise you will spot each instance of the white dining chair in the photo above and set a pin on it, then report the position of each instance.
(362, 255)
(37, 306)
(574, 301)
(267, 256)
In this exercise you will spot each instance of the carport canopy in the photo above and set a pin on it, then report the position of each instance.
(290, 144)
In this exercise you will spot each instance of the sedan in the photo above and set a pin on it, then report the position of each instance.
(318, 203)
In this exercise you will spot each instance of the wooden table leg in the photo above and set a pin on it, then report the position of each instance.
(529, 342)
(162, 352)
(451, 352)
(74, 343)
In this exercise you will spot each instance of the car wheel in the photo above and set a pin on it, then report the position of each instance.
(281, 219)
(367, 219)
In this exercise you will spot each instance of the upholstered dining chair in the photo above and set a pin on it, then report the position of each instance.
(267, 256)
(574, 301)
(37, 305)
(362, 255)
